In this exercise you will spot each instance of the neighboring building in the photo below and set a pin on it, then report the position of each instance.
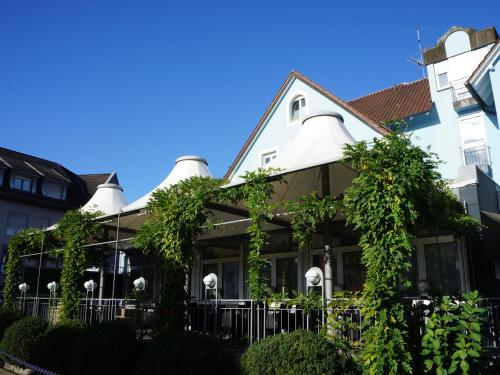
(36, 193)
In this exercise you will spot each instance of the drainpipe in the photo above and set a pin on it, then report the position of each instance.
(327, 226)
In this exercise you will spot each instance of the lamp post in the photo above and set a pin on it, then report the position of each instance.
(89, 286)
(23, 288)
(210, 282)
(52, 287)
(314, 279)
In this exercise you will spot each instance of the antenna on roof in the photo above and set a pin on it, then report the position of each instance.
(419, 61)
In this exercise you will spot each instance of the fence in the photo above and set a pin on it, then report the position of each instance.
(245, 320)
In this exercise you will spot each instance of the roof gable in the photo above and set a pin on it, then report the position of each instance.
(292, 77)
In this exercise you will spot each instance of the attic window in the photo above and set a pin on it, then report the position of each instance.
(24, 183)
(268, 157)
(54, 190)
(297, 109)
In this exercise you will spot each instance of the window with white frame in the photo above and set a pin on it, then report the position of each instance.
(54, 190)
(283, 273)
(442, 81)
(441, 263)
(23, 182)
(298, 108)
(228, 278)
(268, 157)
(16, 222)
(473, 142)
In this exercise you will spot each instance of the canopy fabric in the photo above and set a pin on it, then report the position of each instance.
(185, 167)
(108, 199)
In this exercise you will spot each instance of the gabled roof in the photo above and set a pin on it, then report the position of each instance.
(484, 63)
(296, 75)
(397, 102)
(93, 180)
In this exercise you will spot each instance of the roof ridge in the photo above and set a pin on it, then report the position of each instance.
(387, 88)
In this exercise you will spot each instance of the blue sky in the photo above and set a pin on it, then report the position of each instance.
(104, 85)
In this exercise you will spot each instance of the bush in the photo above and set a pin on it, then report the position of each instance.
(7, 317)
(296, 353)
(106, 348)
(59, 339)
(186, 353)
(22, 336)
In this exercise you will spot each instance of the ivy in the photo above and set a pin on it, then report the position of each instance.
(452, 340)
(397, 191)
(75, 229)
(24, 242)
(257, 191)
(175, 215)
(309, 211)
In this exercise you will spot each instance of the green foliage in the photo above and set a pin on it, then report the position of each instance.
(53, 350)
(24, 242)
(175, 215)
(309, 211)
(340, 322)
(7, 317)
(296, 353)
(75, 228)
(256, 192)
(106, 348)
(397, 192)
(186, 353)
(21, 337)
(452, 340)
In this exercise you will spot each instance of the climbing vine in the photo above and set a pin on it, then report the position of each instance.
(24, 242)
(175, 215)
(309, 211)
(75, 228)
(398, 190)
(257, 192)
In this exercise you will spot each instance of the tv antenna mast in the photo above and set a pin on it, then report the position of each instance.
(418, 61)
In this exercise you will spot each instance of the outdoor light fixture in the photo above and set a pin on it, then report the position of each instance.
(52, 286)
(210, 281)
(140, 284)
(314, 276)
(90, 285)
(24, 288)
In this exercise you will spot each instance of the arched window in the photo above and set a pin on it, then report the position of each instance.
(297, 109)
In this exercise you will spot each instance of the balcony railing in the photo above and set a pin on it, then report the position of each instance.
(460, 91)
(246, 320)
(476, 155)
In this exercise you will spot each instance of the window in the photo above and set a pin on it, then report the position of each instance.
(268, 157)
(354, 271)
(286, 276)
(16, 222)
(228, 279)
(441, 267)
(54, 190)
(1, 176)
(475, 150)
(23, 183)
(297, 109)
(443, 80)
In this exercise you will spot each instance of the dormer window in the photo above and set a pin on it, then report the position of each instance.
(297, 109)
(1, 176)
(54, 190)
(23, 182)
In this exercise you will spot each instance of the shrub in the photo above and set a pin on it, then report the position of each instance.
(22, 336)
(7, 317)
(106, 348)
(59, 339)
(296, 353)
(186, 353)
